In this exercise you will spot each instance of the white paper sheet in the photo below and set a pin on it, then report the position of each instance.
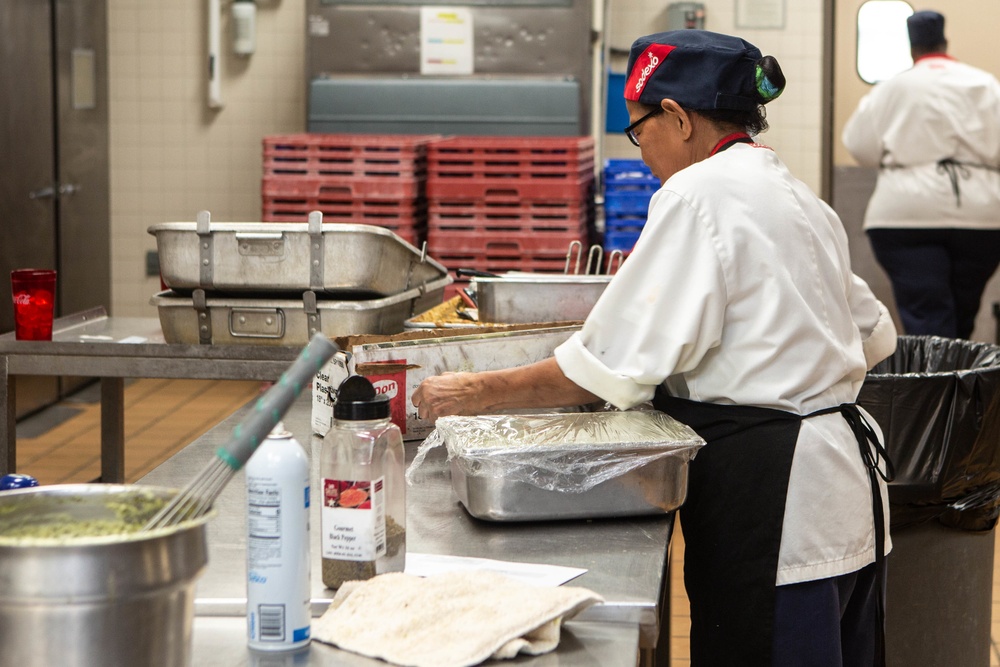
(445, 40)
(424, 565)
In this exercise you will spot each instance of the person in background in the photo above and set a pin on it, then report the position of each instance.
(738, 314)
(934, 218)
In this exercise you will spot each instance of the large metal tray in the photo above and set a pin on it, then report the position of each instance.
(658, 487)
(283, 256)
(203, 318)
(516, 298)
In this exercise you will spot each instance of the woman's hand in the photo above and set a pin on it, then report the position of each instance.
(447, 394)
(538, 385)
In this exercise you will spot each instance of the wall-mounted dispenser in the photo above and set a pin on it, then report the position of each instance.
(244, 27)
(686, 16)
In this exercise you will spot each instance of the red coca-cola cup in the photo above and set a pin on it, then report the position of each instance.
(34, 292)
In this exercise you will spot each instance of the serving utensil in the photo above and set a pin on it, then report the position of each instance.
(196, 499)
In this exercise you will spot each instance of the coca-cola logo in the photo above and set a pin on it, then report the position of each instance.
(388, 388)
(22, 299)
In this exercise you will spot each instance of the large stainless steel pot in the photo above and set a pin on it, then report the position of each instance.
(123, 600)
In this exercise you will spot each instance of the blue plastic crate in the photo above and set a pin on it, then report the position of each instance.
(627, 202)
(621, 223)
(628, 172)
(620, 240)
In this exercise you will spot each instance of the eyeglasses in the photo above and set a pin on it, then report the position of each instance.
(630, 130)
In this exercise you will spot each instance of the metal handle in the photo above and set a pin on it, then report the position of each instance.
(44, 193)
(55, 190)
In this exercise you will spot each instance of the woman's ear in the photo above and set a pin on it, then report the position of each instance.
(677, 117)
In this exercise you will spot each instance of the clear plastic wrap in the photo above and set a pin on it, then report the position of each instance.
(559, 452)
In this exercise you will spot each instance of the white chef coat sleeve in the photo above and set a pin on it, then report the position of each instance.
(861, 135)
(659, 316)
(878, 332)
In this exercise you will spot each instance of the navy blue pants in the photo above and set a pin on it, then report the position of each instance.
(938, 275)
(827, 622)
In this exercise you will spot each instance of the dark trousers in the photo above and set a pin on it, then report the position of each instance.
(938, 275)
(827, 622)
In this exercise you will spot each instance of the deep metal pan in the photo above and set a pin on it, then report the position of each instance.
(289, 256)
(254, 319)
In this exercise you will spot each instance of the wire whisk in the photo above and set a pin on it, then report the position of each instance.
(196, 499)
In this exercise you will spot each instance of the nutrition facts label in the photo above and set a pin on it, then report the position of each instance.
(263, 520)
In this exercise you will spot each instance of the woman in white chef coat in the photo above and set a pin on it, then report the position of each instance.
(738, 314)
(934, 218)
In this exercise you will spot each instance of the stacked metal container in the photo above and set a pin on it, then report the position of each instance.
(266, 283)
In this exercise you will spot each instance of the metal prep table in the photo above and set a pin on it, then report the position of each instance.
(92, 344)
(625, 559)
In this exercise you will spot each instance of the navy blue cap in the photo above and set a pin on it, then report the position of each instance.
(697, 69)
(926, 29)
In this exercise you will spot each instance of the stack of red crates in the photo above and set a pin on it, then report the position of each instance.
(509, 203)
(352, 178)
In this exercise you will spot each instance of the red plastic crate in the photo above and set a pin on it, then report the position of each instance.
(509, 244)
(343, 187)
(482, 261)
(491, 167)
(357, 153)
(522, 148)
(408, 211)
(329, 168)
(482, 215)
(511, 190)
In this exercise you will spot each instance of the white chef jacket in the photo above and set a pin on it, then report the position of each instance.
(739, 292)
(940, 108)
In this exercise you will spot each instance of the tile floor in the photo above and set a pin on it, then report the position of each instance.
(62, 445)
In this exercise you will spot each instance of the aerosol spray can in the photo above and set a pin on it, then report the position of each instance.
(278, 585)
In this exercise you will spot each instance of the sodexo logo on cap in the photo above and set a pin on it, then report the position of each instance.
(645, 65)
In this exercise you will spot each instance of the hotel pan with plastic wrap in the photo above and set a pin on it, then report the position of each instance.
(289, 256)
(290, 319)
(567, 466)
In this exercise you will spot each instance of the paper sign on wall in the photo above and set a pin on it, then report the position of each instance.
(445, 40)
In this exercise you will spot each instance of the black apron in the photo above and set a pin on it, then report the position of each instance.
(732, 520)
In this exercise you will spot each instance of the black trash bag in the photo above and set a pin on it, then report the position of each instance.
(938, 403)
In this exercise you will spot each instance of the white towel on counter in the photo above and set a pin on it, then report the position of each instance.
(448, 620)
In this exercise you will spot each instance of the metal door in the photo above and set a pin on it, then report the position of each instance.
(54, 160)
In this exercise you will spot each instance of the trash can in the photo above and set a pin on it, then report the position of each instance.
(938, 403)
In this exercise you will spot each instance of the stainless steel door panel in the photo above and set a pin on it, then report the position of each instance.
(83, 205)
(54, 210)
(27, 144)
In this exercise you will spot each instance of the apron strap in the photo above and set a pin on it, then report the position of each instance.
(872, 453)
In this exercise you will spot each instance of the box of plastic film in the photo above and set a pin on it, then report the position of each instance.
(396, 365)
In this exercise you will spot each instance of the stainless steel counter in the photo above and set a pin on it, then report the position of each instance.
(91, 344)
(625, 558)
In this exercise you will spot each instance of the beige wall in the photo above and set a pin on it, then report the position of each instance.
(171, 156)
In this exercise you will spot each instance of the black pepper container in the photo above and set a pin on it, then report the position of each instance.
(362, 471)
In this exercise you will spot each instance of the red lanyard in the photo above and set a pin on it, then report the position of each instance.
(730, 139)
